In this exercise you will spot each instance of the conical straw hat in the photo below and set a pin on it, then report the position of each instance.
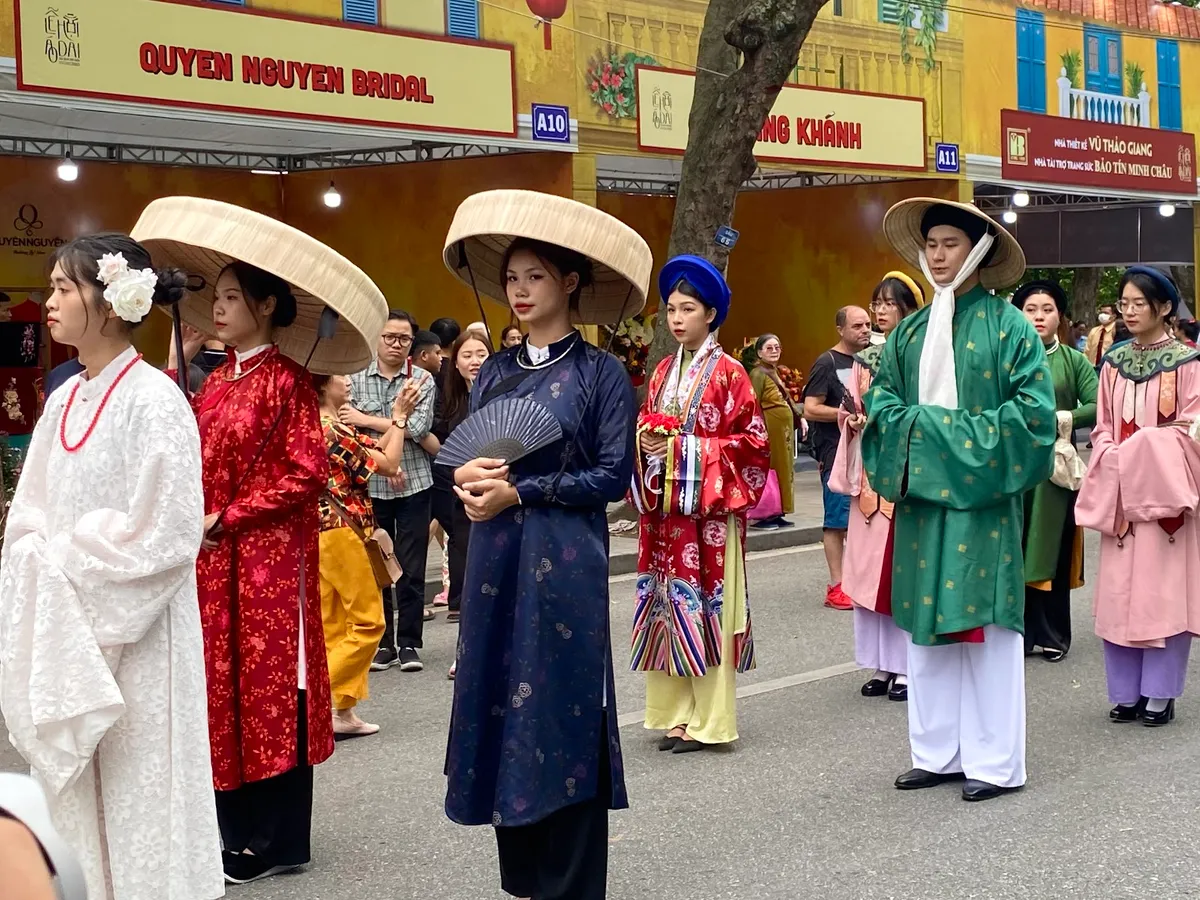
(203, 237)
(902, 227)
(487, 223)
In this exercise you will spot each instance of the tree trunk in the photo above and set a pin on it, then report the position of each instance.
(729, 107)
(1084, 292)
(1185, 277)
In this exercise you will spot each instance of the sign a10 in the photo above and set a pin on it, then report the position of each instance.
(551, 123)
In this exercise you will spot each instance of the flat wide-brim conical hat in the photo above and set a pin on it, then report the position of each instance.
(487, 223)
(203, 237)
(902, 227)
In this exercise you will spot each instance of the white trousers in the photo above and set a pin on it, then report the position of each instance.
(966, 708)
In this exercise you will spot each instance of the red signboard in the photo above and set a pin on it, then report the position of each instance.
(1056, 150)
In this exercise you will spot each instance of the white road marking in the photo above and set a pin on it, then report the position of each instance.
(764, 687)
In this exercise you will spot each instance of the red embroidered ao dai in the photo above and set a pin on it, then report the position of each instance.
(714, 472)
(264, 568)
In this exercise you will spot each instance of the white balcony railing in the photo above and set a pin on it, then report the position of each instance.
(1094, 106)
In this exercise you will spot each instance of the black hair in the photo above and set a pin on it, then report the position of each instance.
(446, 330)
(1189, 329)
(399, 315)
(563, 259)
(897, 290)
(506, 329)
(1165, 304)
(80, 262)
(423, 340)
(457, 393)
(259, 285)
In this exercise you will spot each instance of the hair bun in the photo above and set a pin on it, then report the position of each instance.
(285, 310)
(171, 287)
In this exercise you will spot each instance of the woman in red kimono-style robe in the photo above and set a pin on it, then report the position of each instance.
(253, 587)
(691, 631)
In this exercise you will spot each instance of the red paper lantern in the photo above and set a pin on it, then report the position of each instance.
(547, 11)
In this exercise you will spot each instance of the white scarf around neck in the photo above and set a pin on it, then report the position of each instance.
(938, 384)
(678, 388)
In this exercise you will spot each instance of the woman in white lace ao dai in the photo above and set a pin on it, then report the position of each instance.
(102, 684)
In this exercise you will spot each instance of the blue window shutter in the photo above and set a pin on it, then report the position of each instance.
(462, 18)
(1170, 108)
(364, 12)
(1031, 61)
(889, 12)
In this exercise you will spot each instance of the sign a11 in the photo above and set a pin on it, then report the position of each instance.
(551, 123)
(946, 158)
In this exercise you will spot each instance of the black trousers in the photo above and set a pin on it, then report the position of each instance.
(450, 513)
(406, 519)
(1048, 613)
(565, 855)
(272, 818)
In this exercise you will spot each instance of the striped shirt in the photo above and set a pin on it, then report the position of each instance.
(373, 395)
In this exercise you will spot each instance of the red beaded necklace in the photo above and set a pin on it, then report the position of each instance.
(62, 425)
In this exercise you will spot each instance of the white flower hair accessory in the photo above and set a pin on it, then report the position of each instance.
(130, 292)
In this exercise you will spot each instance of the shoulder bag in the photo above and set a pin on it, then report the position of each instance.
(378, 545)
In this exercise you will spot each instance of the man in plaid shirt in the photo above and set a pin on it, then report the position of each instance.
(402, 503)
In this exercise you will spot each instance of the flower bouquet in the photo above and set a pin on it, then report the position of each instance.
(663, 424)
(794, 382)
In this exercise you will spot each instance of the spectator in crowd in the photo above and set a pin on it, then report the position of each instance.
(511, 336)
(481, 328)
(61, 374)
(350, 607)
(447, 331)
(426, 352)
(466, 356)
(402, 502)
(824, 394)
(1101, 338)
(780, 417)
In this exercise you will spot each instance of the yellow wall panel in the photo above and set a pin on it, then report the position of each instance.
(414, 15)
(543, 76)
(321, 9)
(990, 83)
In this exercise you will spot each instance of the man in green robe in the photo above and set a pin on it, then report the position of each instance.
(961, 423)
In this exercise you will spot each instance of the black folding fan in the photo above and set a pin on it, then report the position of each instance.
(507, 429)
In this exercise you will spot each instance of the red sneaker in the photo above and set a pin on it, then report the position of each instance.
(835, 597)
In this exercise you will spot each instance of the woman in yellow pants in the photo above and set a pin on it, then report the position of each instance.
(350, 607)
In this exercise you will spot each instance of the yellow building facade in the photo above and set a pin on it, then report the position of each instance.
(811, 240)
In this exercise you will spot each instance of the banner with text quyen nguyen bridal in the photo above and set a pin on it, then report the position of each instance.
(807, 125)
(1056, 150)
(215, 56)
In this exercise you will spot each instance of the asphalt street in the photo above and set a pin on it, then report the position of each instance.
(803, 805)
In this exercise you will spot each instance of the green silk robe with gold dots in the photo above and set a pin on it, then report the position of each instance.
(958, 476)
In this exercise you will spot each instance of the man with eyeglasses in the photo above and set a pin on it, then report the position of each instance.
(401, 502)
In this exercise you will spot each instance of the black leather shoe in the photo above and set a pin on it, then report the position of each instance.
(1052, 655)
(898, 692)
(668, 743)
(974, 791)
(682, 746)
(1128, 713)
(1155, 719)
(876, 687)
(916, 779)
